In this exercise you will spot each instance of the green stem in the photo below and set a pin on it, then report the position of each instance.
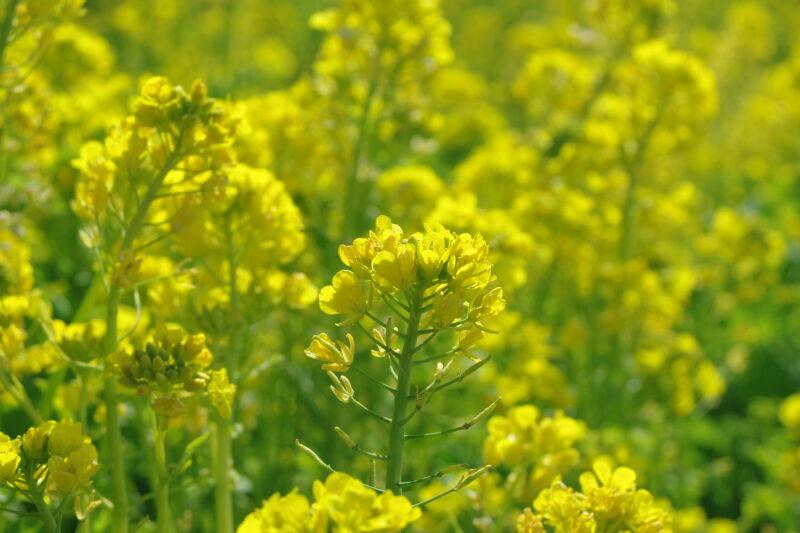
(163, 514)
(36, 495)
(222, 464)
(627, 214)
(233, 287)
(113, 429)
(17, 391)
(5, 31)
(222, 446)
(351, 213)
(394, 468)
(44, 513)
(632, 167)
(116, 462)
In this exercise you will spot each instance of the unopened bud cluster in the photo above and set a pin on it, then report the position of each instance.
(171, 362)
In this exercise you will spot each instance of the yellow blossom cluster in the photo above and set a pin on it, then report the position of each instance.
(341, 504)
(450, 273)
(55, 457)
(539, 448)
(575, 219)
(168, 125)
(608, 501)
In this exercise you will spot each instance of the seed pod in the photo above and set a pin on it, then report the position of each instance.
(151, 349)
(177, 352)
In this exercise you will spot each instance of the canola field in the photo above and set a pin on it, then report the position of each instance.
(372, 266)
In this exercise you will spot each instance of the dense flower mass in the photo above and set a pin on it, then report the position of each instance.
(457, 262)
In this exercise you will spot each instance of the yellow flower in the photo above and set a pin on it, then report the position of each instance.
(341, 504)
(446, 309)
(34, 441)
(561, 506)
(285, 514)
(346, 296)
(522, 435)
(338, 356)
(65, 437)
(527, 522)
(73, 472)
(396, 270)
(9, 458)
(789, 412)
(221, 392)
(298, 291)
(354, 507)
(491, 305)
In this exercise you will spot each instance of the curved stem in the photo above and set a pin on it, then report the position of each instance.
(17, 391)
(394, 468)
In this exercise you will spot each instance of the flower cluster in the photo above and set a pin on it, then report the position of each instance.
(608, 501)
(341, 504)
(21, 352)
(539, 448)
(54, 457)
(168, 125)
(450, 273)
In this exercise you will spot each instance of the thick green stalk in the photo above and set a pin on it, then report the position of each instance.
(221, 450)
(163, 514)
(222, 464)
(394, 467)
(115, 462)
